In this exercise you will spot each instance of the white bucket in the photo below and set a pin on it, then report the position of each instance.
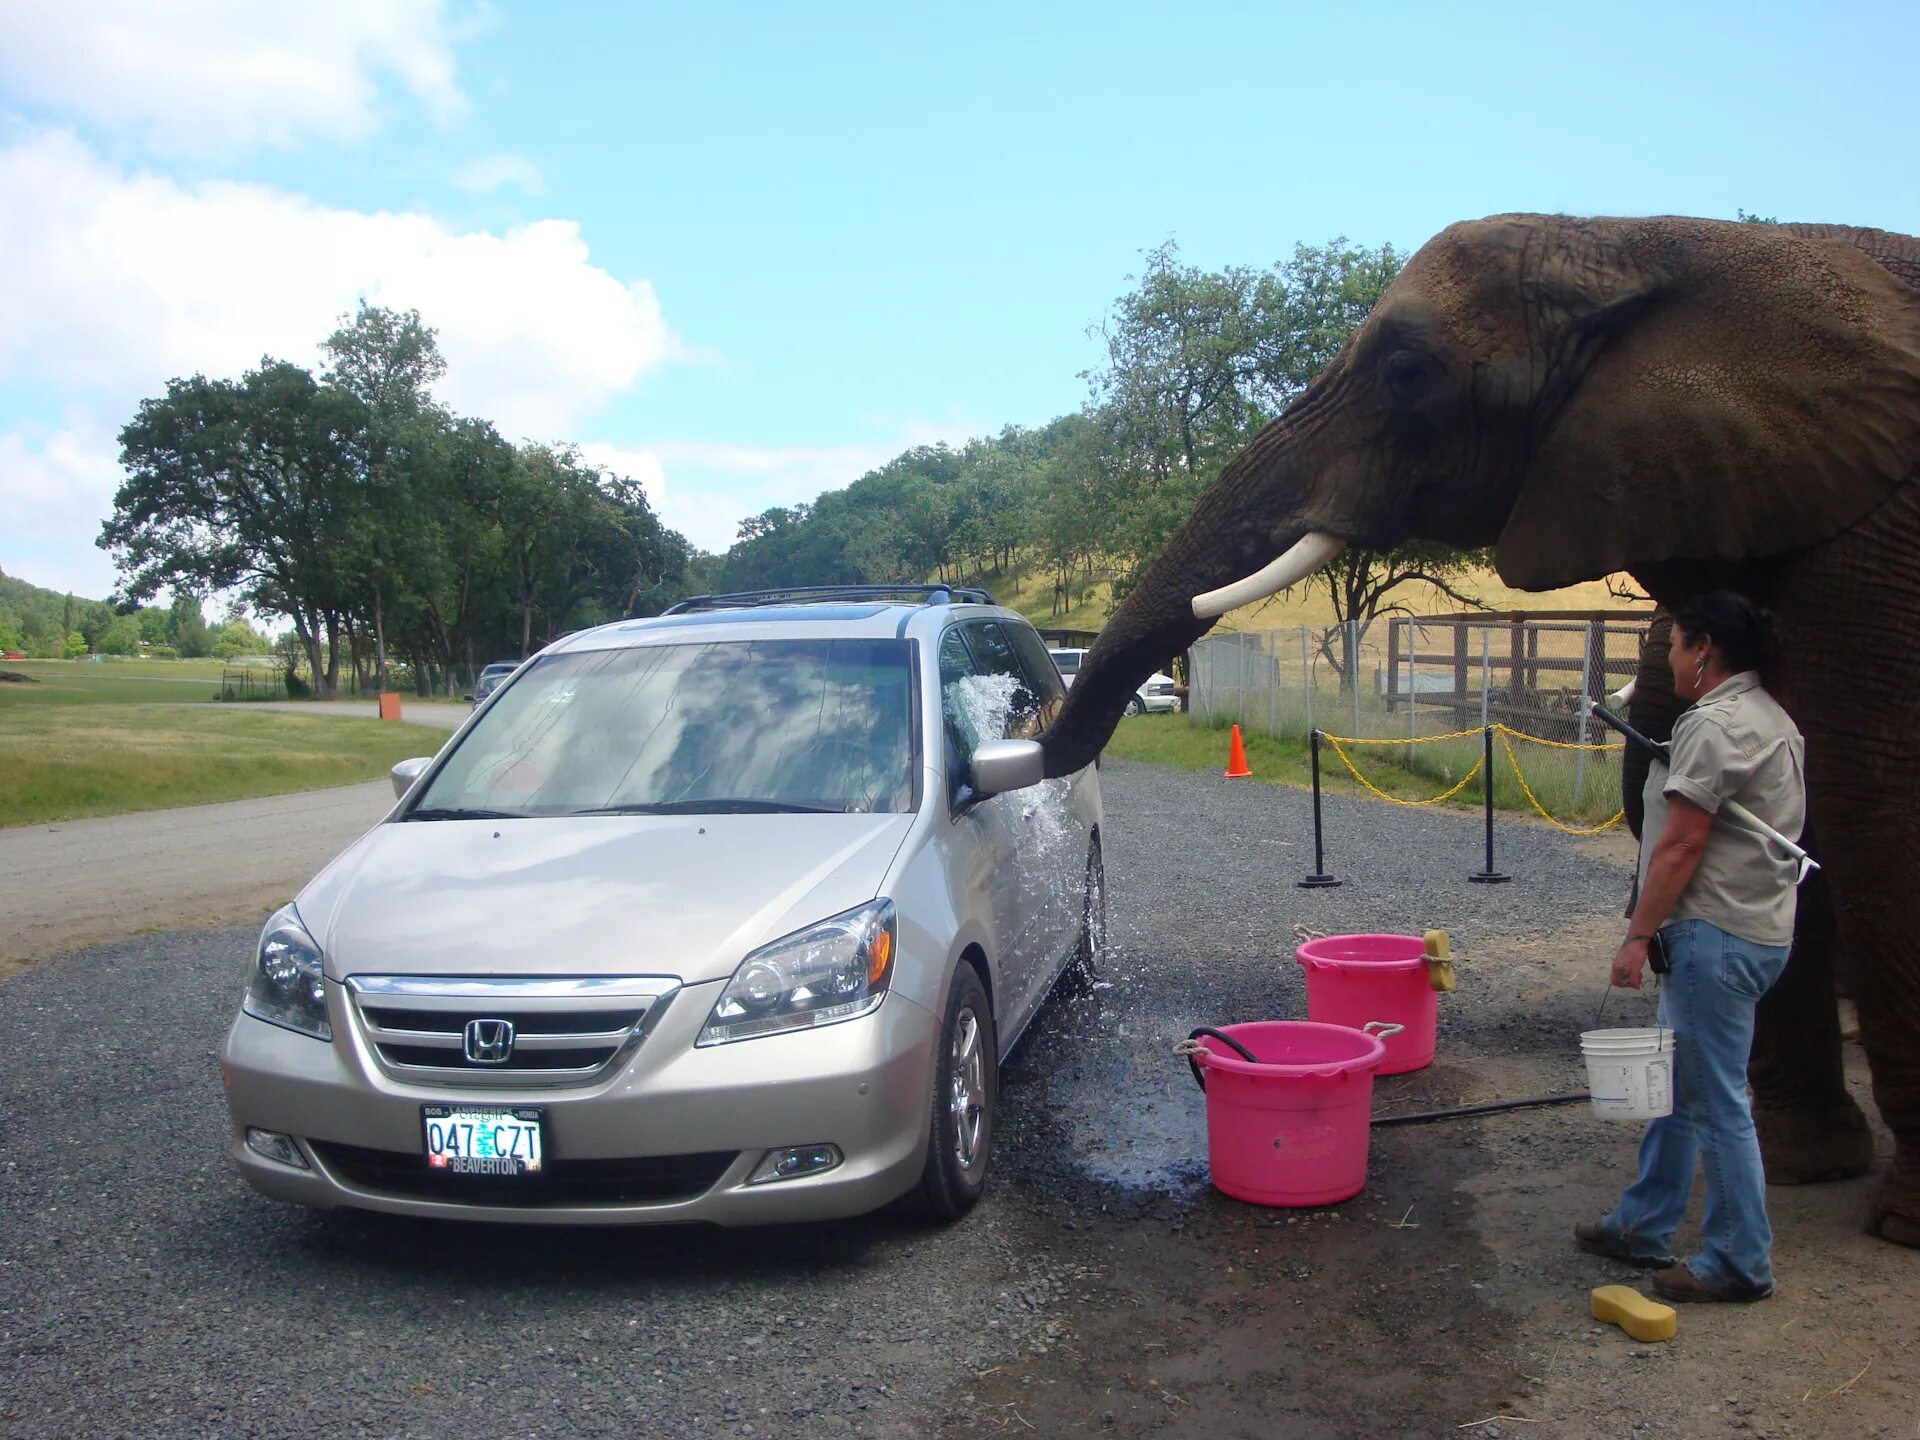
(1630, 1072)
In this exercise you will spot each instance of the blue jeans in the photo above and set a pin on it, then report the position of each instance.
(1708, 999)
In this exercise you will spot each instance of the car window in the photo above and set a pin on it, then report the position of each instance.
(1068, 661)
(707, 728)
(986, 692)
(1038, 668)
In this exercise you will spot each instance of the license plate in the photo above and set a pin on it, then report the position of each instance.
(483, 1139)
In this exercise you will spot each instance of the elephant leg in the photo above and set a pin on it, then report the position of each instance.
(1810, 1128)
(1851, 612)
(1887, 982)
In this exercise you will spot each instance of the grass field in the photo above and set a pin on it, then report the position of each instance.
(110, 682)
(63, 761)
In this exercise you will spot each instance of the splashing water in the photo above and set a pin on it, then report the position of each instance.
(1049, 862)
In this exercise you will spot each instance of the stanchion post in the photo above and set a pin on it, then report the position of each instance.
(1319, 880)
(1488, 876)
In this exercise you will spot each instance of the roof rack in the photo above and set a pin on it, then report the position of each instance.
(821, 594)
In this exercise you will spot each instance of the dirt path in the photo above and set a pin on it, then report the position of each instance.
(447, 714)
(81, 882)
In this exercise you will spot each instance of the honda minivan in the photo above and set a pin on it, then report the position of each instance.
(728, 915)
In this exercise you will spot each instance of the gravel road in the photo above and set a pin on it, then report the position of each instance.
(1102, 1287)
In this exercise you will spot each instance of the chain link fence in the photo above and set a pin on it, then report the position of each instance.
(1425, 677)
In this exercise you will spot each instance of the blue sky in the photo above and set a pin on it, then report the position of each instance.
(745, 253)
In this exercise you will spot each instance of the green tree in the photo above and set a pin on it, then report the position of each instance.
(389, 361)
(76, 646)
(122, 636)
(247, 486)
(187, 627)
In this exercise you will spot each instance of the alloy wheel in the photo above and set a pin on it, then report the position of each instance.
(967, 1099)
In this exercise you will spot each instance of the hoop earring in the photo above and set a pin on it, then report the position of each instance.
(1700, 671)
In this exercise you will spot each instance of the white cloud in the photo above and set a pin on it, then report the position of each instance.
(225, 74)
(492, 172)
(119, 281)
(55, 489)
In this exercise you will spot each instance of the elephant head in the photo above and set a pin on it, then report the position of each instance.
(1668, 396)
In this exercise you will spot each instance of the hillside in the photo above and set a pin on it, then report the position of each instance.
(1029, 589)
(37, 619)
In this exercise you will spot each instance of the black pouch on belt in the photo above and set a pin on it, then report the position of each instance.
(1657, 955)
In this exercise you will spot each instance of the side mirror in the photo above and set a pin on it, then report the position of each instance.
(1001, 765)
(408, 771)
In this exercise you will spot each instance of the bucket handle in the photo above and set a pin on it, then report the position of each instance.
(1381, 1029)
(1191, 1047)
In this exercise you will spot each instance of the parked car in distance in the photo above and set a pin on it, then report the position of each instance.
(728, 915)
(1157, 695)
(490, 678)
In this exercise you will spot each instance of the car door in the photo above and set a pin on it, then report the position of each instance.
(984, 830)
(1054, 835)
(1044, 869)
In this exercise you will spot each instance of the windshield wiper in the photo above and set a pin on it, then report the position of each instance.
(716, 805)
(456, 812)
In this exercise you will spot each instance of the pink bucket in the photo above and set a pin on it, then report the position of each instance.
(1352, 979)
(1289, 1127)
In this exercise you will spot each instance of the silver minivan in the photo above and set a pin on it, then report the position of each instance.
(728, 915)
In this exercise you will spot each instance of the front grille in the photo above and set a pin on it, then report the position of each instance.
(566, 1031)
(647, 1180)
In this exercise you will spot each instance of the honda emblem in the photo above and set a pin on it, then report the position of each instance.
(489, 1042)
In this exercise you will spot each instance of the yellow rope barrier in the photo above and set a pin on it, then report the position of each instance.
(1507, 736)
(1403, 740)
(1394, 799)
(1513, 760)
(1553, 744)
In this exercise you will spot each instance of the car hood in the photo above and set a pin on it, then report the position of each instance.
(685, 896)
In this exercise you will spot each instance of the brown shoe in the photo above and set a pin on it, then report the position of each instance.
(1679, 1284)
(1596, 1239)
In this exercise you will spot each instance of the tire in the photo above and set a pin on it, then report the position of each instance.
(960, 1142)
(1092, 947)
(1135, 706)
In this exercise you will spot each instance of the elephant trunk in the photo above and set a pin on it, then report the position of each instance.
(1236, 528)
(1158, 624)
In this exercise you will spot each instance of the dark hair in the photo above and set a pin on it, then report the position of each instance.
(1747, 634)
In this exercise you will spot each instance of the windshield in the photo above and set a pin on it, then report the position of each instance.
(744, 726)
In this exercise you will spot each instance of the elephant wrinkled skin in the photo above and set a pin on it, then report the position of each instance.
(1701, 404)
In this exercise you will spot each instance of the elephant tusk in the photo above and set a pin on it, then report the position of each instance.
(1622, 697)
(1307, 555)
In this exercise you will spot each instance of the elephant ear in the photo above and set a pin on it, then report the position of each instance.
(1733, 392)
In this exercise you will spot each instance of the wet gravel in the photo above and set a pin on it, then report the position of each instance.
(144, 1290)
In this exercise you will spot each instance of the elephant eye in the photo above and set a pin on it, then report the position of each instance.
(1406, 374)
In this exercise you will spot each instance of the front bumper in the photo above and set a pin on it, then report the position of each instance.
(681, 1116)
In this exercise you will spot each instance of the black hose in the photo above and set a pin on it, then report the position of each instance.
(1424, 1116)
(1199, 1078)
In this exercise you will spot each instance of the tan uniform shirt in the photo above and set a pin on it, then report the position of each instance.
(1735, 743)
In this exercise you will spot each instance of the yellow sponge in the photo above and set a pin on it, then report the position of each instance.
(1634, 1313)
(1439, 965)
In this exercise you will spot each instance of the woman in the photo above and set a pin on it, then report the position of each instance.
(1720, 901)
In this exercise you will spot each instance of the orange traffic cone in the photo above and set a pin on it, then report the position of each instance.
(1237, 758)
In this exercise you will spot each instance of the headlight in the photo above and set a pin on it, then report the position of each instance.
(828, 972)
(284, 986)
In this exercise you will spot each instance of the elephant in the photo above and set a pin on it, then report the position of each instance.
(1701, 404)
